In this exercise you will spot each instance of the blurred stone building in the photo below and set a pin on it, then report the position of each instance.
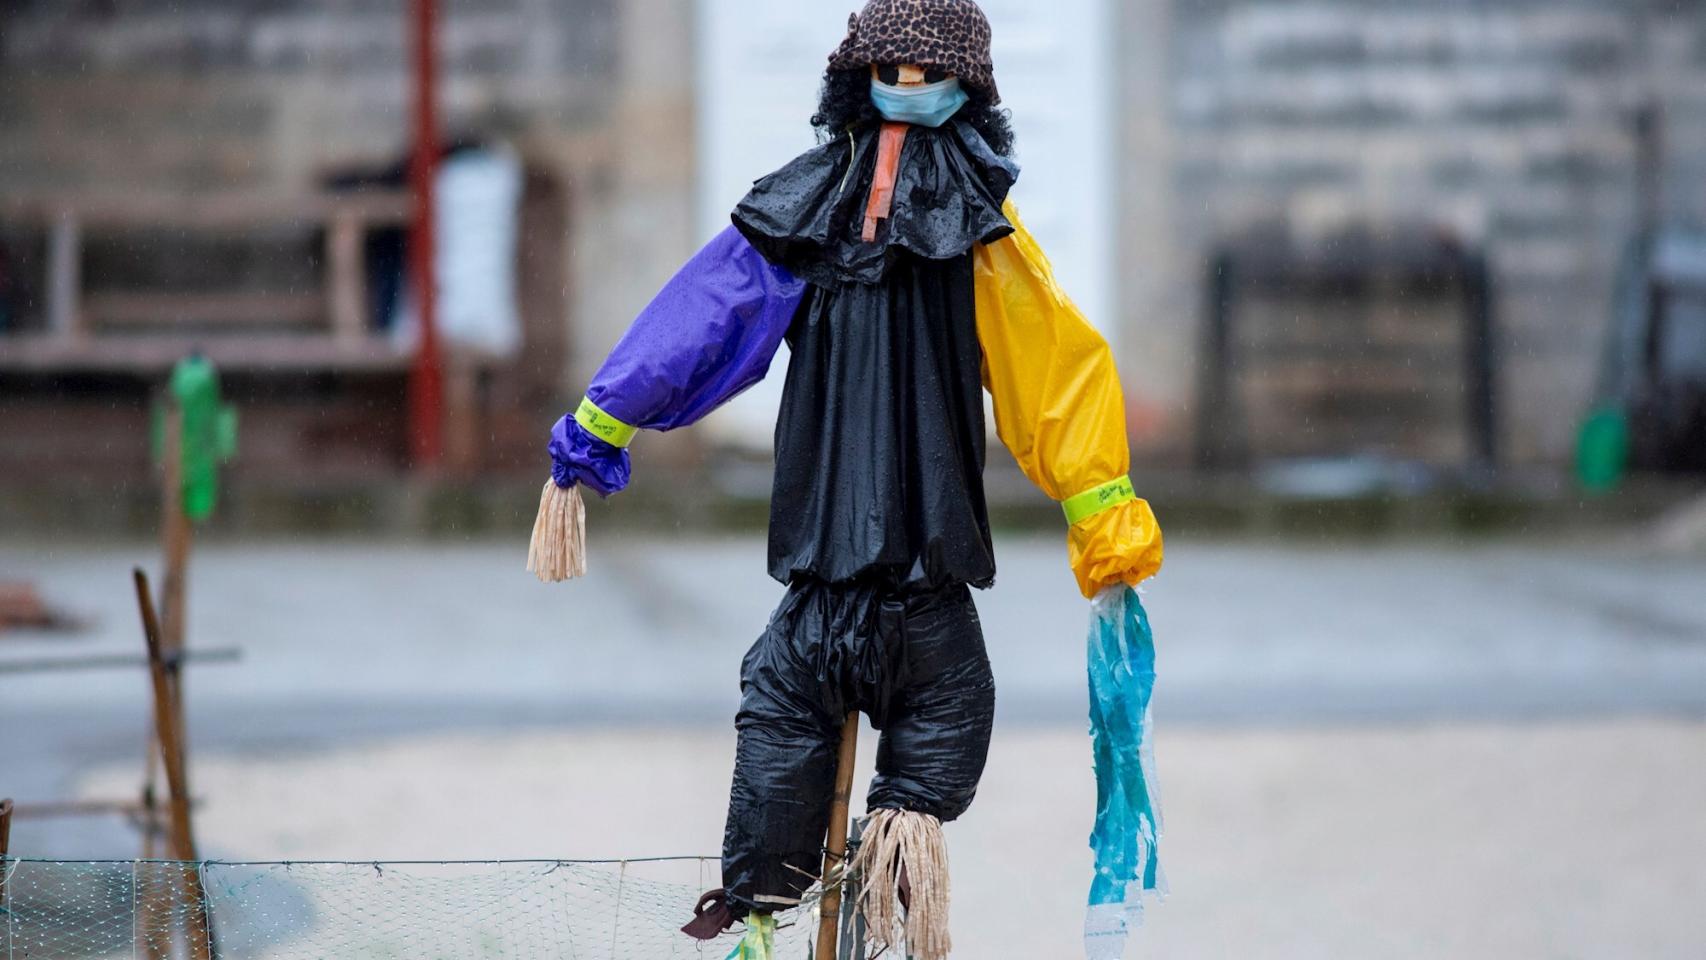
(1509, 124)
(1504, 128)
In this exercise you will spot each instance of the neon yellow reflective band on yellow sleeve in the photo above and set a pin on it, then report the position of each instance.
(1096, 499)
(604, 426)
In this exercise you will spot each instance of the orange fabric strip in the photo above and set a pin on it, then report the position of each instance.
(881, 203)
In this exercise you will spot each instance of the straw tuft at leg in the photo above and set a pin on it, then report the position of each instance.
(558, 549)
(897, 841)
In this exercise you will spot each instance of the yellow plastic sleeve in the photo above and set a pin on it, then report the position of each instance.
(1060, 410)
(1098, 498)
(1058, 403)
(604, 426)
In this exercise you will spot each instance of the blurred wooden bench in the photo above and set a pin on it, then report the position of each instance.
(327, 329)
(316, 329)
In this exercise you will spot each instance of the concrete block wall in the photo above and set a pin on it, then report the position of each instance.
(1508, 123)
(193, 94)
(268, 96)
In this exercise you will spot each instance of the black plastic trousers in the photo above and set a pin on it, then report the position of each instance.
(913, 661)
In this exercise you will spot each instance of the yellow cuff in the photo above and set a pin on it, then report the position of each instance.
(1121, 545)
(604, 426)
(1093, 501)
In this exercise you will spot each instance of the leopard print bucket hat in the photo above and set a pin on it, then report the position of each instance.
(951, 35)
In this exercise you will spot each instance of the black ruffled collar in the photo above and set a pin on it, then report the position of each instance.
(807, 216)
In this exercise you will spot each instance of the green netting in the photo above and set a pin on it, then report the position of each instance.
(573, 910)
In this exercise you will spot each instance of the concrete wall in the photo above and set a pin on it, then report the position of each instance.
(194, 94)
(114, 96)
(1507, 122)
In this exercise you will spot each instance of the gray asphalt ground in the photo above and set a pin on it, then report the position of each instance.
(1426, 751)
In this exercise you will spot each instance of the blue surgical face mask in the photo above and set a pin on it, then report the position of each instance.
(927, 105)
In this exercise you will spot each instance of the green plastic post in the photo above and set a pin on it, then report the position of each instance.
(209, 434)
(1602, 450)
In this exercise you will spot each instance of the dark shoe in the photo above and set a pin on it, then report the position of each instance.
(711, 916)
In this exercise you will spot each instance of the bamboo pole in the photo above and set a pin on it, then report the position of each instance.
(169, 732)
(835, 849)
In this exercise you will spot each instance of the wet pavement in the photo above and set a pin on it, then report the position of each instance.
(395, 634)
(1273, 658)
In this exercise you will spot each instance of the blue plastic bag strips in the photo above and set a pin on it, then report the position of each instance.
(1121, 659)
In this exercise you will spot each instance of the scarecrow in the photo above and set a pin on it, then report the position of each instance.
(893, 263)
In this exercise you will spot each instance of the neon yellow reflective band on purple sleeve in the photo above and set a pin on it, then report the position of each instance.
(604, 426)
(1096, 499)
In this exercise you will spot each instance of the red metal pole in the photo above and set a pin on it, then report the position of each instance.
(426, 381)
(5, 843)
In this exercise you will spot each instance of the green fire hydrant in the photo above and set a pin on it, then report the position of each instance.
(207, 437)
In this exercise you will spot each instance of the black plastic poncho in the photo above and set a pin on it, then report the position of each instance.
(880, 441)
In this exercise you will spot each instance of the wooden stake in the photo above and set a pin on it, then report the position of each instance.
(835, 849)
(170, 734)
(174, 547)
(175, 550)
(174, 532)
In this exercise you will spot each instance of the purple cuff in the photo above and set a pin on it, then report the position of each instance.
(580, 457)
(709, 334)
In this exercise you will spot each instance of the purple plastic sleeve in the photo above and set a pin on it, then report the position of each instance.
(709, 334)
(580, 457)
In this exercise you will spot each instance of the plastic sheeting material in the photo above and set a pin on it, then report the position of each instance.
(709, 334)
(1125, 838)
(1058, 405)
(759, 941)
(808, 216)
(880, 436)
(914, 662)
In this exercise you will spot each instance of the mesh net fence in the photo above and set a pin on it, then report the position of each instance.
(577, 910)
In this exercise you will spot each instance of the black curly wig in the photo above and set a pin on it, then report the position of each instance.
(846, 102)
